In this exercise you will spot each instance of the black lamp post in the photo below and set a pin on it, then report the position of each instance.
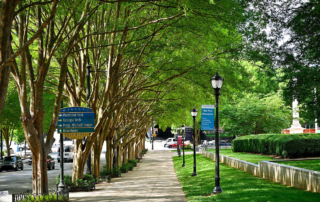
(194, 113)
(62, 188)
(152, 141)
(216, 83)
(183, 134)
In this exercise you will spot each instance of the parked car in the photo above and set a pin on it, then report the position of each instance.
(174, 145)
(50, 162)
(11, 162)
(169, 141)
(67, 154)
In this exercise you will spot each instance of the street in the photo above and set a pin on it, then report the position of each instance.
(20, 181)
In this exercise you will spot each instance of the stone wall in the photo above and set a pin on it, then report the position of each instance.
(287, 175)
(291, 176)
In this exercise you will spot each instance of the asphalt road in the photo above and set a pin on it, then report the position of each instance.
(20, 181)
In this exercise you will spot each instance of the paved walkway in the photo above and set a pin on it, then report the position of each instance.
(154, 180)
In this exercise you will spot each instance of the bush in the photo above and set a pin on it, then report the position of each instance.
(187, 146)
(88, 178)
(105, 172)
(124, 168)
(285, 145)
(133, 162)
(129, 166)
(116, 172)
(48, 198)
(67, 180)
(144, 151)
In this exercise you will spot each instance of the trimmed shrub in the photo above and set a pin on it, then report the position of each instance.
(133, 162)
(67, 180)
(105, 172)
(124, 168)
(129, 166)
(187, 146)
(88, 177)
(116, 172)
(285, 145)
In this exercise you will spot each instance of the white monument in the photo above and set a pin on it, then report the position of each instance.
(296, 126)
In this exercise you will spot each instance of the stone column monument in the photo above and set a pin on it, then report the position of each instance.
(296, 126)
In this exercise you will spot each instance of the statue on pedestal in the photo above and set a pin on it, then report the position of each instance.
(296, 126)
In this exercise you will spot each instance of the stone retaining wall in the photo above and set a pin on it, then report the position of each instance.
(291, 176)
(287, 175)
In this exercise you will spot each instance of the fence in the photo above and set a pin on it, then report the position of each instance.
(28, 194)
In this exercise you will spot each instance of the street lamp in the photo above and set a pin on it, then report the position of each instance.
(194, 113)
(183, 134)
(216, 83)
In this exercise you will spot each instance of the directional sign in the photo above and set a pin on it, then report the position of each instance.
(76, 120)
(76, 135)
(207, 117)
(76, 130)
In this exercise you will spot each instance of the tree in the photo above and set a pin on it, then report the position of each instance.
(10, 123)
(254, 115)
(284, 35)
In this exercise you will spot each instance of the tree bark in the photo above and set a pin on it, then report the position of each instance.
(96, 160)
(109, 155)
(6, 19)
(39, 172)
(125, 155)
(78, 162)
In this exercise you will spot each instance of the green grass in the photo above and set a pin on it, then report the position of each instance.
(237, 185)
(252, 158)
(307, 164)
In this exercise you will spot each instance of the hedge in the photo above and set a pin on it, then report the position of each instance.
(285, 145)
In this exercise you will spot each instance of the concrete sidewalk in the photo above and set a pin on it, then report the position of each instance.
(153, 180)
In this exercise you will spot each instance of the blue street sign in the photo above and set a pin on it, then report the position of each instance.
(207, 117)
(76, 120)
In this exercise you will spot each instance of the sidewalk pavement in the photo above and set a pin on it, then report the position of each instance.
(153, 180)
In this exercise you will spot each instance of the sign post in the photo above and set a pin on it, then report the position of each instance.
(62, 186)
(75, 123)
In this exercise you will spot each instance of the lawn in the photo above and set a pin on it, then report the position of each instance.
(237, 185)
(307, 164)
(252, 158)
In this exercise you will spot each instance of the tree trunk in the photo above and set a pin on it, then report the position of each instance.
(8, 146)
(125, 155)
(39, 172)
(78, 162)
(109, 155)
(130, 151)
(96, 161)
(119, 156)
(6, 18)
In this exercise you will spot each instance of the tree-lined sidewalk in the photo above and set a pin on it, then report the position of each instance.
(153, 180)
